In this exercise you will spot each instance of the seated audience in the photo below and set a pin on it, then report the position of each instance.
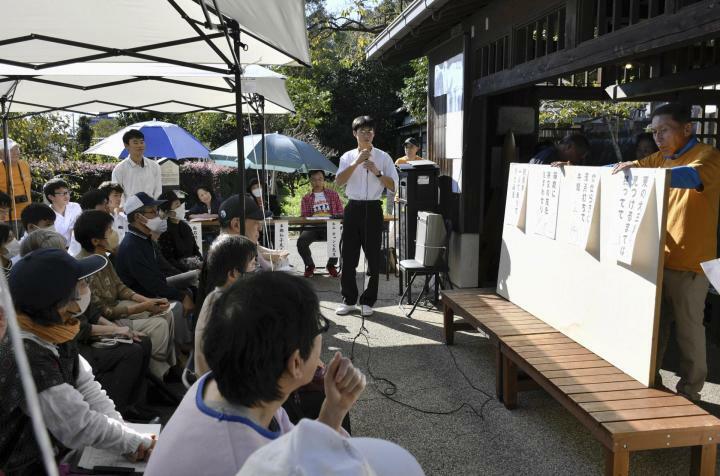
(573, 149)
(230, 224)
(262, 342)
(320, 202)
(117, 302)
(229, 257)
(137, 263)
(57, 193)
(644, 145)
(120, 369)
(255, 190)
(114, 193)
(95, 199)
(207, 204)
(48, 289)
(9, 247)
(178, 243)
(5, 205)
(313, 448)
(36, 216)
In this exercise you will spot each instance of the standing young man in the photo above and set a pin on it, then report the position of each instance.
(366, 172)
(692, 221)
(137, 173)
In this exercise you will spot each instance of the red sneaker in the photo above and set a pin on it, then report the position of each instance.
(309, 271)
(332, 271)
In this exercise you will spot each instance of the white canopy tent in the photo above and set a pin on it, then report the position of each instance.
(44, 32)
(107, 88)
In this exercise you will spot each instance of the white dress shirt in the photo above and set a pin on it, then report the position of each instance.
(363, 184)
(135, 178)
(64, 223)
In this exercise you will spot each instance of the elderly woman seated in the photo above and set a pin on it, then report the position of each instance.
(119, 303)
(49, 289)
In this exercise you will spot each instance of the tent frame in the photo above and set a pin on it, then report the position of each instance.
(227, 27)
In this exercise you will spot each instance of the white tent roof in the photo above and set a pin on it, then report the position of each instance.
(94, 88)
(274, 31)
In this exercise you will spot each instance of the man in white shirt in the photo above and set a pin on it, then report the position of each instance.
(365, 172)
(137, 173)
(57, 192)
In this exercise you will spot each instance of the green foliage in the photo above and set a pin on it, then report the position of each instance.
(562, 113)
(415, 90)
(45, 136)
(84, 133)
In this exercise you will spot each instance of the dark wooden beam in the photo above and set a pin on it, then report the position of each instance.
(692, 23)
(689, 79)
(566, 93)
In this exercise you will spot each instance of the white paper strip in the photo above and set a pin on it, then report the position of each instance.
(516, 193)
(281, 235)
(546, 207)
(637, 186)
(584, 194)
(196, 228)
(334, 233)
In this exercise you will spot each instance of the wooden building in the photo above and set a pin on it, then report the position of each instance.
(492, 62)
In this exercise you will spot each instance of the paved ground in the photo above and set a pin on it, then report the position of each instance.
(481, 437)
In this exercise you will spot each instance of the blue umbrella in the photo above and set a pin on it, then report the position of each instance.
(162, 139)
(284, 154)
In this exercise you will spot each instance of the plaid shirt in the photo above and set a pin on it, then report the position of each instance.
(332, 197)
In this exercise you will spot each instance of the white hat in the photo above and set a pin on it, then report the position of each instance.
(11, 144)
(313, 448)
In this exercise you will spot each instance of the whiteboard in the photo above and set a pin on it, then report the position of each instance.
(587, 293)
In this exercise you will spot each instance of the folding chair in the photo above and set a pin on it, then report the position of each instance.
(439, 270)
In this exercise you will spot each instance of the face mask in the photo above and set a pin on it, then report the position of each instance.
(157, 225)
(49, 228)
(257, 192)
(113, 241)
(83, 302)
(13, 248)
(180, 212)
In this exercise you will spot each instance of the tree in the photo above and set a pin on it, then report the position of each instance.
(415, 90)
(43, 136)
(84, 133)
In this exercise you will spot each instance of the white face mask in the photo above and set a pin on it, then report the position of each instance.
(180, 212)
(49, 228)
(157, 225)
(13, 248)
(83, 302)
(257, 192)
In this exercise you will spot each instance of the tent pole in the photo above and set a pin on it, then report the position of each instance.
(8, 168)
(235, 33)
(264, 145)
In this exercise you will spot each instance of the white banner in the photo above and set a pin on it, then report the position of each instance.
(281, 235)
(197, 233)
(334, 233)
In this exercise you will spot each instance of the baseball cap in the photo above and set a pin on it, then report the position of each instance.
(412, 140)
(312, 448)
(139, 200)
(232, 207)
(46, 276)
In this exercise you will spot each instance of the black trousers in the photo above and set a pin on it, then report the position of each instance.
(121, 370)
(362, 228)
(307, 237)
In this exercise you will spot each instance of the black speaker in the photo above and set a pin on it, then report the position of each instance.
(418, 192)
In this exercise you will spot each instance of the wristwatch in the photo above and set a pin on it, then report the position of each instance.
(379, 174)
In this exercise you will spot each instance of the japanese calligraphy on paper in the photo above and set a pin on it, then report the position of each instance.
(517, 189)
(584, 198)
(632, 203)
(334, 232)
(281, 235)
(546, 208)
(196, 228)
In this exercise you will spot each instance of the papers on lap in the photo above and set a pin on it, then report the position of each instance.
(93, 457)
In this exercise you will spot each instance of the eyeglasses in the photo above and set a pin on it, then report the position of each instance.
(365, 131)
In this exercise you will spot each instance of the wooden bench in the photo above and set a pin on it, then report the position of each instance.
(620, 412)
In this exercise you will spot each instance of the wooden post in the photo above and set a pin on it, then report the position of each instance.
(509, 383)
(448, 315)
(702, 460)
(617, 463)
